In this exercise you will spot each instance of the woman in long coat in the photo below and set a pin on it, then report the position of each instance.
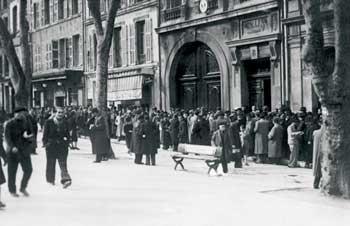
(128, 132)
(275, 142)
(261, 140)
(174, 131)
(99, 130)
(316, 161)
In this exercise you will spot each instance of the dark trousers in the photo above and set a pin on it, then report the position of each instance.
(224, 163)
(26, 164)
(151, 159)
(92, 139)
(138, 158)
(51, 167)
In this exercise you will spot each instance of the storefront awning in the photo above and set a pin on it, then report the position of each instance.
(125, 88)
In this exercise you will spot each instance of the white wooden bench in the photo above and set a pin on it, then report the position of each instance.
(209, 154)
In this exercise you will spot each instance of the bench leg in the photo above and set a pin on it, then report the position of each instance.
(178, 161)
(213, 165)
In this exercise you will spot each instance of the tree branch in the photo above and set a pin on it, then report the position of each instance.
(110, 23)
(94, 7)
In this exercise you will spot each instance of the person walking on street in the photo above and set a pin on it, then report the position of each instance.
(56, 140)
(19, 142)
(221, 138)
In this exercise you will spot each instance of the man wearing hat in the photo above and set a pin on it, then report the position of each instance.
(19, 141)
(221, 138)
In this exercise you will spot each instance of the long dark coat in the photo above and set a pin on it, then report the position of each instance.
(2, 155)
(217, 141)
(316, 161)
(56, 138)
(275, 142)
(166, 134)
(135, 145)
(183, 132)
(149, 141)
(261, 140)
(100, 133)
(128, 134)
(174, 131)
(200, 132)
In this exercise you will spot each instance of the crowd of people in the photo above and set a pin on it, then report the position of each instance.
(263, 135)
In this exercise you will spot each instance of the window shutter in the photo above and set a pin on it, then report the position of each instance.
(65, 4)
(110, 57)
(52, 10)
(124, 45)
(148, 41)
(55, 54)
(131, 2)
(42, 16)
(132, 44)
(55, 9)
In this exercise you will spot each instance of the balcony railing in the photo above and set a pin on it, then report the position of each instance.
(173, 13)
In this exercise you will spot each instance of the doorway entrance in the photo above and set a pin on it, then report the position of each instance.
(197, 78)
(259, 82)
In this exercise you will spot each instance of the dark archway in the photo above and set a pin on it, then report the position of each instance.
(197, 77)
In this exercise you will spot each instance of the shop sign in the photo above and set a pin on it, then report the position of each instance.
(255, 26)
(131, 94)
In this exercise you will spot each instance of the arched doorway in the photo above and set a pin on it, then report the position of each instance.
(197, 77)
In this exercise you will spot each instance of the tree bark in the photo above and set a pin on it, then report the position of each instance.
(333, 92)
(104, 40)
(18, 77)
(26, 50)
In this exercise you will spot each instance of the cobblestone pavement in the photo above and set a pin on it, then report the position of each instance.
(117, 192)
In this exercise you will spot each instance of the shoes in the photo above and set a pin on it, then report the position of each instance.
(14, 194)
(76, 148)
(51, 183)
(2, 205)
(67, 184)
(96, 161)
(25, 193)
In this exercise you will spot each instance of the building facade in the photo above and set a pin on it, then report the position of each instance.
(133, 59)
(298, 90)
(220, 53)
(57, 50)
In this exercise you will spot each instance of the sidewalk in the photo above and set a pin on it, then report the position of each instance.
(118, 192)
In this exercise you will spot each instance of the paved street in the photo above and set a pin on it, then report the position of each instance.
(118, 192)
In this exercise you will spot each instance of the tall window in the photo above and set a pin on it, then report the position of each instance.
(14, 19)
(62, 52)
(173, 3)
(68, 7)
(117, 47)
(4, 4)
(74, 7)
(47, 12)
(76, 50)
(61, 9)
(54, 54)
(69, 52)
(48, 56)
(35, 15)
(140, 48)
(6, 66)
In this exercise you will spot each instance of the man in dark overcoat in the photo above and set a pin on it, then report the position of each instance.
(136, 139)
(19, 143)
(56, 140)
(89, 123)
(149, 141)
(221, 138)
(183, 130)
(99, 132)
(174, 131)
(236, 142)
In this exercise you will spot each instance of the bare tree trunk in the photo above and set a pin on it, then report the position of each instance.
(104, 40)
(25, 49)
(18, 78)
(334, 93)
